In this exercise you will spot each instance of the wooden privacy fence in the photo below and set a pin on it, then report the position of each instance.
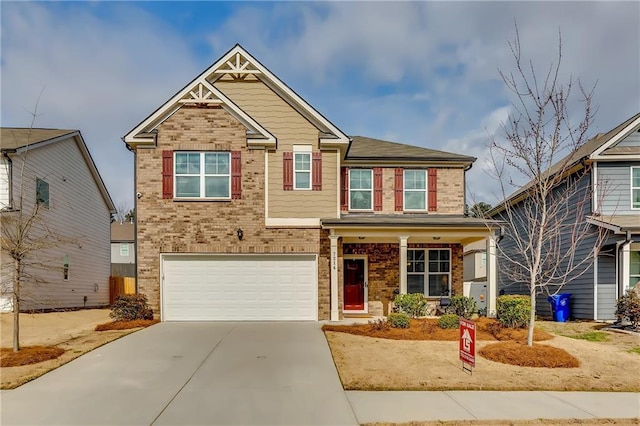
(120, 285)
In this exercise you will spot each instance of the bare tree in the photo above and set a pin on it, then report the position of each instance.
(24, 237)
(122, 214)
(540, 143)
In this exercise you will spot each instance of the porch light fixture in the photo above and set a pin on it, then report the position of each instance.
(240, 234)
(436, 238)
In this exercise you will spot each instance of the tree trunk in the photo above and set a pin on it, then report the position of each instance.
(16, 305)
(532, 316)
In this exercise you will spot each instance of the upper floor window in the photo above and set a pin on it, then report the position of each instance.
(360, 189)
(635, 187)
(203, 175)
(429, 272)
(42, 192)
(124, 249)
(302, 167)
(415, 190)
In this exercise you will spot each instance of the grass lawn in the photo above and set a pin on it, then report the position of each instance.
(375, 363)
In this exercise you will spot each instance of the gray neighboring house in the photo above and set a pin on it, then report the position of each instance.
(123, 249)
(609, 163)
(53, 167)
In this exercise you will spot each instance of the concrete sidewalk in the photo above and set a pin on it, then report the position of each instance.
(400, 406)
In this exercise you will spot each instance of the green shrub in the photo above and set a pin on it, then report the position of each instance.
(414, 305)
(398, 320)
(628, 308)
(380, 324)
(448, 321)
(514, 310)
(130, 307)
(463, 306)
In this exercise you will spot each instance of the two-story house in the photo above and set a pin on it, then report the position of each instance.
(251, 205)
(67, 236)
(123, 249)
(607, 171)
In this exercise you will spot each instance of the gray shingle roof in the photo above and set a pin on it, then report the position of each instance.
(409, 220)
(14, 137)
(364, 148)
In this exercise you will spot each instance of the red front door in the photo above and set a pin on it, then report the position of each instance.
(354, 284)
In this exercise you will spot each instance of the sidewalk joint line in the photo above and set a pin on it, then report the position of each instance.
(568, 403)
(457, 402)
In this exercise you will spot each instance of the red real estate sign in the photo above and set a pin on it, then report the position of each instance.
(468, 342)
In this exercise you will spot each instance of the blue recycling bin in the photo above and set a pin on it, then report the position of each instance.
(560, 306)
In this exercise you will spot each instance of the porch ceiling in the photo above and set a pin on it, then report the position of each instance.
(419, 228)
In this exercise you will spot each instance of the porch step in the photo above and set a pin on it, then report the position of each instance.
(358, 316)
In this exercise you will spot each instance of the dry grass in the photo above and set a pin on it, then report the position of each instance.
(28, 355)
(515, 353)
(125, 325)
(537, 422)
(428, 329)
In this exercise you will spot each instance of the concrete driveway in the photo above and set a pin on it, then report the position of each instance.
(192, 373)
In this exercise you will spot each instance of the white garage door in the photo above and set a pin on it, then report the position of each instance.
(239, 287)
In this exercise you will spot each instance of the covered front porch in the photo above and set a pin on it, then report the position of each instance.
(376, 257)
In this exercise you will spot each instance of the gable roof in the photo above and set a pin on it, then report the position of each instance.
(17, 139)
(367, 149)
(122, 232)
(607, 147)
(238, 64)
(597, 144)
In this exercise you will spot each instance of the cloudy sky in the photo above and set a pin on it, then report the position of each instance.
(422, 73)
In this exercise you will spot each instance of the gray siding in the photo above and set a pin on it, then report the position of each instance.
(615, 180)
(79, 216)
(117, 258)
(632, 140)
(581, 287)
(606, 287)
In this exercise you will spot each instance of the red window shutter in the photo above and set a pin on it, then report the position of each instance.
(377, 189)
(287, 171)
(316, 184)
(344, 194)
(398, 189)
(236, 175)
(432, 186)
(167, 174)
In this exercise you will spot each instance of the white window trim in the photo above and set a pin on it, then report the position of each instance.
(370, 190)
(633, 187)
(405, 190)
(302, 149)
(426, 272)
(126, 247)
(202, 175)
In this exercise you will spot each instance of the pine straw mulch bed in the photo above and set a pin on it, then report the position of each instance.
(125, 325)
(28, 355)
(511, 349)
(428, 329)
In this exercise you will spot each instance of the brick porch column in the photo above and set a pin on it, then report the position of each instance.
(403, 264)
(335, 315)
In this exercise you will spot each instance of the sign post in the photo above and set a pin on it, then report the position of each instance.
(467, 344)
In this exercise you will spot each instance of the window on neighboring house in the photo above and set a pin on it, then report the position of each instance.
(360, 189)
(65, 268)
(484, 259)
(634, 269)
(203, 175)
(301, 170)
(124, 249)
(635, 187)
(42, 192)
(429, 272)
(415, 190)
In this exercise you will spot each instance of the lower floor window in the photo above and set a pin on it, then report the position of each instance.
(429, 272)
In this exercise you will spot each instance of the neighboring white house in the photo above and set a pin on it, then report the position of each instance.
(475, 272)
(123, 249)
(53, 167)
